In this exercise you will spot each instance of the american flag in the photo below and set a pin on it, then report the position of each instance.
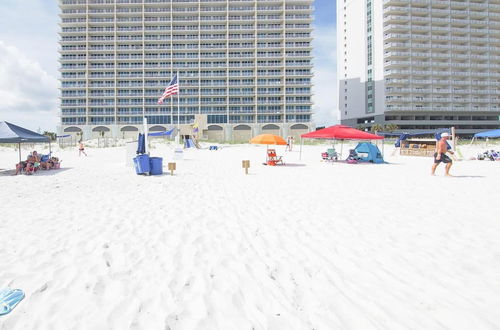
(172, 88)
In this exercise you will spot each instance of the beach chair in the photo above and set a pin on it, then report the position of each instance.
(44, 158)
(353, 156)
(272, 158)
(330, 155)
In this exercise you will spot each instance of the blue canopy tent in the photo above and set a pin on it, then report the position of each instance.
(488, 134)
(10, 133)
(167, 133)
(404, 135)
(369, 153)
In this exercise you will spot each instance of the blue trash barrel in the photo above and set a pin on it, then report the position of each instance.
(156, 165)
(141, 164)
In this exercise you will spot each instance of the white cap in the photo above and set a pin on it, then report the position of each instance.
(445, 135)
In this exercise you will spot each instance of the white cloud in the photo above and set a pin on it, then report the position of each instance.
(325, 75)
(28, 93)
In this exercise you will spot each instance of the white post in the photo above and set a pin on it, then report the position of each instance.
(341, 147)
(300, 153)
(145, 128)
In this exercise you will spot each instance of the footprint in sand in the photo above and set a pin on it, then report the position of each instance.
(42, 288)
(99, 287)
(107, 258)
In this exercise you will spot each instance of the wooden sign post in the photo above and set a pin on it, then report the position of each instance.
(245, 164)
(171, 168)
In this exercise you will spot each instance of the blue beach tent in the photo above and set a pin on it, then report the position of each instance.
(369, 153)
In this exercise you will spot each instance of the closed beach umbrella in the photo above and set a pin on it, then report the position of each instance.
(141, 144)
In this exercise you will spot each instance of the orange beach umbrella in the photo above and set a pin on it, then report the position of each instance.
(268, 139)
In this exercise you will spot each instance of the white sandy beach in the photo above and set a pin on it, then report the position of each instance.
(309, 245)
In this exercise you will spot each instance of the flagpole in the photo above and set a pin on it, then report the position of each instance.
(145, 127)
(178, 108)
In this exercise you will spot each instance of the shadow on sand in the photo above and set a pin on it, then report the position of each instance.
(364, 163)
(4, 172)
(466, 176)
(292, 165)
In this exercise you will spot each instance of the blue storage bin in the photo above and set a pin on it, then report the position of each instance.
(141, 164)
(156, 165)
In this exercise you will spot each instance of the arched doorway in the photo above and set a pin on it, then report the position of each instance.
(157, 128)
(214, 133)
(74, 132)
(242, 133)
(129, 132)
(100, 131)
(297, 130)
(271, 129)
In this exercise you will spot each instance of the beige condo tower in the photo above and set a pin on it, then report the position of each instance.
(245, 66)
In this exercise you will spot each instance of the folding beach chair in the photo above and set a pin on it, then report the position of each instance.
(353, 156)
(272, 158)
(332, 154)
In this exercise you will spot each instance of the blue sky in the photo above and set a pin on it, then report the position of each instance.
(29, 63)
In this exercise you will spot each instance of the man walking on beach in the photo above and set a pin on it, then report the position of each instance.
(440, 154)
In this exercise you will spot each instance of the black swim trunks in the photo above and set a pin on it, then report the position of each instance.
(444, 158)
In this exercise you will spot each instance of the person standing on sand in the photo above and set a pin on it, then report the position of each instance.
(440, 155)
(289, 143)
(81, 149)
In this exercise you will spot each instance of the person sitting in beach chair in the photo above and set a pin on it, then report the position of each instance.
(272, 158)
(29, 169)
(21, 167)
(29, 166)
(34, 160)
(54, 162)
(44, 161)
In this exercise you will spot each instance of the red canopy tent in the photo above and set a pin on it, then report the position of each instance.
(340, 132)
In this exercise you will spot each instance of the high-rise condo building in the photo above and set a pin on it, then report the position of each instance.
(419, 64)
(244, 66)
